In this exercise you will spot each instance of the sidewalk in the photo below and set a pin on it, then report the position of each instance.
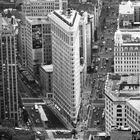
(56, 112)
(50, 134)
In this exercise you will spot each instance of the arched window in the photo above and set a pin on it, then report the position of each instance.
(131, 48)
(126, 48)
(119, 106)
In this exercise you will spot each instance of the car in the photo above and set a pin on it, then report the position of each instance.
(38, 132)
(97, 114)
(32, 115)
(97, 122)
(37, 121)
(28, 124)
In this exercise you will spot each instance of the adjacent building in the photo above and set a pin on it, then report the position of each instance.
(129, 13)
(133, 113)
(42, 7)
(126, 51)
(8, 71)
(37, 43)
(122, 87)
(121, 133)
(37, 8)
(46, 80)
(85, 40)
(127, 39)
(118, 89)
(22, 43)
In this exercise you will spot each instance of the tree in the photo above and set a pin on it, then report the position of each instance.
(25, 115)
(74, 132)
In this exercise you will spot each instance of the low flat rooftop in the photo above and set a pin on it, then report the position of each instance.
(126, 8)
(6, 25)
(129, 36)
(48, 68)
(37, 20)
(31, 1)
(123, 85)
(135, 102)
(32, 100)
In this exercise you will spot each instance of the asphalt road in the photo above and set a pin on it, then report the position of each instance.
(23, 89)
(26, 89)
(106, 32)
(54, 122)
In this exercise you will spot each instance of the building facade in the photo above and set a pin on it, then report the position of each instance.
(38, 43)
(127, 40)
(123, 85)
(66, 62)
(8, 72)
(42, 7)
(118, 89)
(129, 13)
(85, 39)
(46, 80)
(133, 114)
(22, 44)
(126, 52)
(36, 8)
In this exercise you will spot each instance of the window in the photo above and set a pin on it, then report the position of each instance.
(119, 115)
(119, 106)
(119, 110)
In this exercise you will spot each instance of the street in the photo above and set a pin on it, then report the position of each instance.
(102, 63)
(26, 88)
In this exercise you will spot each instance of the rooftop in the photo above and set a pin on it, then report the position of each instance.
(67, 16)
(37, 19)
(123, 86)
(129, 36)
(135, 103)
(38, 1)
(7, 25)
(48, 68)
(127, 13)
(126, 8)
(66, 19)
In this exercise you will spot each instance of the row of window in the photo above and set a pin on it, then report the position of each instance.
(127, 62)
(126, 54)
(126, 58)
(38, 4)
(127, 70)
(126, 66)
(125, 48)
(62, 35)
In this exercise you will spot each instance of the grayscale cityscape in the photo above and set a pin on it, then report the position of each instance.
(69, 69)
